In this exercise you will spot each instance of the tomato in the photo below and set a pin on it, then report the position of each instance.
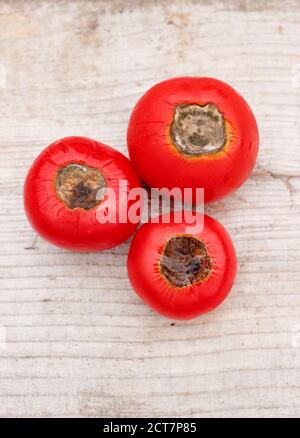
(181, 274)
(193, 132)
(66, 192)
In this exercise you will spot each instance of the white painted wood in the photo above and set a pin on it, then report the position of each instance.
(78, 340)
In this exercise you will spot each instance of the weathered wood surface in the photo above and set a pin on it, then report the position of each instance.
(78, 340)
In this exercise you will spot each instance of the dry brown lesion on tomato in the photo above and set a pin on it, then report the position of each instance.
(185, 261)
(80, 186)
(198, 129)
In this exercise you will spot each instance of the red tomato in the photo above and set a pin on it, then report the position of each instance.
(66, 191)
(193, 132)
(179, 274)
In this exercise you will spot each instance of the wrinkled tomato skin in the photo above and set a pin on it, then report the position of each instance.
(158, 161)
(190, 301)
(76, 229)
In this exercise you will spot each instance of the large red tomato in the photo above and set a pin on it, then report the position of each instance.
(193, 132)
(66, 195)
(182, 274)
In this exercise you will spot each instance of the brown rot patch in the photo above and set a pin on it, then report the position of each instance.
(197, 129)
(185, 261)
(80, 186)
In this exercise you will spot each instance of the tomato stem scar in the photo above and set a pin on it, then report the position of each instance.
(185, 261)
(78, 185)
(198, 129)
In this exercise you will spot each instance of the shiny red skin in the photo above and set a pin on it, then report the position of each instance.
(190, 301)
(157, 159)
(75, 229)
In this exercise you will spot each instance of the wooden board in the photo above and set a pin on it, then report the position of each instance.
(76, 341)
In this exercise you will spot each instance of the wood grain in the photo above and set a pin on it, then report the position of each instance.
(78, 340)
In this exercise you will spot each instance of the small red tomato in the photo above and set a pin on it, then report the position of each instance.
(193, 132)
(66, 192)
(182, 275)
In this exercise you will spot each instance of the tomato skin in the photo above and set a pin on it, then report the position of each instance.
(156, 158)
(189, 301)
(76, 229)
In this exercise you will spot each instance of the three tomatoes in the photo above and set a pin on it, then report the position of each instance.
(183, 133)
